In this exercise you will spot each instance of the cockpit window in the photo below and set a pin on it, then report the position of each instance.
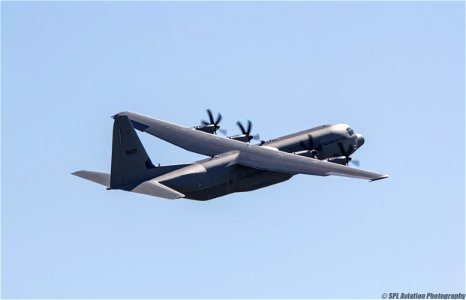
(350, 131)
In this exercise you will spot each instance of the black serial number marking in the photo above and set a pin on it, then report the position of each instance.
(131, 151)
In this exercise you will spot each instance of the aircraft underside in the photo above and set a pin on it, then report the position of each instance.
(223, 180)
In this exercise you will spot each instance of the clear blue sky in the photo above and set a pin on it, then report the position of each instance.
(394, 71)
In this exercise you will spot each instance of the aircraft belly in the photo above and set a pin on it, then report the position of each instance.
(254, 179)
(220, 180)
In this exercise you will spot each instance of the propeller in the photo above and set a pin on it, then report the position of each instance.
(246, 133)
(347, 154)
(310, 147)
(355, 162)
(223, 131)
(212, 125)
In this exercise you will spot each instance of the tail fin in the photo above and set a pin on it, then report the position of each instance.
(130, 162)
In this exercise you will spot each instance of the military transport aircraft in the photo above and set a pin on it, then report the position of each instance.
(234, 165)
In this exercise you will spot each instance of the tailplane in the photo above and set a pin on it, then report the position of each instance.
(132, 169)
(97, 177)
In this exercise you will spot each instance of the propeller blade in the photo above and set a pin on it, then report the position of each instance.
(205, 122)
(304, 146)
(355, 162)
(311, 142)
(219, 118)
(243, 131)
(347, 154)
(342, 148)
(249, 127)
(223, 131)
(256, 137)
(211, 117)
(344, 152)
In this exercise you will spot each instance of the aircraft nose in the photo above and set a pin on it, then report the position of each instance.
(360, 140)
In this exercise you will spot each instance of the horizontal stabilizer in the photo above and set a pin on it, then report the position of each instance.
(97, 177)
(154, 188)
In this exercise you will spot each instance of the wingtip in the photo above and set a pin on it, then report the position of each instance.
(379, 178)
(123, 113)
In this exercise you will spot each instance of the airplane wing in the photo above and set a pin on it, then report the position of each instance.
(259, 157)
(187, 138)
(279, 161)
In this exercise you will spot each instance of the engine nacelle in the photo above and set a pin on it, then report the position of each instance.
(341, 160)
(241, 137)
(210, 128)
(307, 153)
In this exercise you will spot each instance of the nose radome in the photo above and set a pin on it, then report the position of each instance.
(360, 140)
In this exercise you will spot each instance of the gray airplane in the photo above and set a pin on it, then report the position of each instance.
(234, 165)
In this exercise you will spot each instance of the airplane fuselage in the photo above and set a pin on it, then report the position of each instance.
(215, 177)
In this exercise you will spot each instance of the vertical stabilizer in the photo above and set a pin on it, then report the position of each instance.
(130, 162)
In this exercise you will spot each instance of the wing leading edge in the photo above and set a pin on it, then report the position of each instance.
(295, 164)
(254, 156)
